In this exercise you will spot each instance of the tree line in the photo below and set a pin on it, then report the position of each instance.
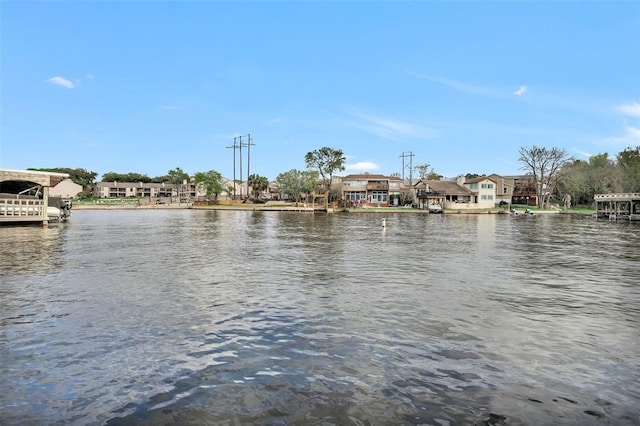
(555, 174)
(552, 171)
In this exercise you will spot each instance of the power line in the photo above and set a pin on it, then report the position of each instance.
(248, 145)
(234, 146)
(410, 156)
(238, 144)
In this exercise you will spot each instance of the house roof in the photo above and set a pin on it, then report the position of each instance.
(480, 179)
(366, 176)
(448, 187)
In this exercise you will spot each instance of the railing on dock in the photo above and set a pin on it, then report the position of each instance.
(618, 206)
(20, 209)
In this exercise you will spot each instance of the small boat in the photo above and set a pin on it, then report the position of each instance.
(434, 208)
(58, 209)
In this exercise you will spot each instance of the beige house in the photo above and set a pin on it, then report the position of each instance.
(448, 194)
(134, 189)
(504, 187)
(462, 193)
(370, 190)
(65, 189)
(188, 191)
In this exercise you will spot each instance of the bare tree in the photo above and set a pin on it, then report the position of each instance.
(543, 165)
(423, 170)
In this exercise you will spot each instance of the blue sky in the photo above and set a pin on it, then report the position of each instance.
(147, 86)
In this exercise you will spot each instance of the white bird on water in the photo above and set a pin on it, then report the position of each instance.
(384, 223)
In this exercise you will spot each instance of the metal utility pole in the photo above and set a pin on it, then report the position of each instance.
(238, 144)
(234, 146)
(410, 156)
(248, 145)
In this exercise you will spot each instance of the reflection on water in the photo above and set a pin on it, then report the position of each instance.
(195, 317)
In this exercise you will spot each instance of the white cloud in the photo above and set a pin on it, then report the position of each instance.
(631, 137)
(90, 77)
(632, 109)
(462, 87)
(388, 128)
(634, 133)
(361, 166)
(497, 92)
(521, 91)
(61, 81)
(582, 153)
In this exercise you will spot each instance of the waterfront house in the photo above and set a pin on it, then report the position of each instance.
(370, 189)
(449, 194)
(524, 190)
(65, 189)
(483, 189)
(504, 188)
(117, 189)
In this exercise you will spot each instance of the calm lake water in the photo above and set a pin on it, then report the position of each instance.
(274, 318)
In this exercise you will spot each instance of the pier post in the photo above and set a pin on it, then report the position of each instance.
(45, 206)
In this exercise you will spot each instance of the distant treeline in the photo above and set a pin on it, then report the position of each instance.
(87, 178)
(579, 178)
(600, 175)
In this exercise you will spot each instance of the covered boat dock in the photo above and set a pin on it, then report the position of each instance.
(24, 195)
(618, 206)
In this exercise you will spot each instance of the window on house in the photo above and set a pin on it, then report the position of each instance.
(473, 186)
(378, 196)
(487, 186)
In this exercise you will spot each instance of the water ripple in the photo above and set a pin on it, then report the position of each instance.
(195, 317)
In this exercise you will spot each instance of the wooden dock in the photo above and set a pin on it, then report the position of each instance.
(618, 206)
(16, 206)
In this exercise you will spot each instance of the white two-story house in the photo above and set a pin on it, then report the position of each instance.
(483, 188)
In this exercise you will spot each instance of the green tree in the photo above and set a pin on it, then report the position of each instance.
(583, 179)
(137, 177)
(160, 179)
(295, 183)
(211, 182)
(423, 170)
(629, 164)
(258, 184)
(113, 177)
(231, 189)
(603, 176)
(179, 178)
(125, 177)
(575, 182)
(543, 165)
(82, 177)
(327, 161)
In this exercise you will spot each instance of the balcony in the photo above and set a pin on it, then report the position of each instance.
(377, 187)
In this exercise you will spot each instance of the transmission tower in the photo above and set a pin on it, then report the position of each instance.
(234, 146)
(407, 165)
(239, 144)
(248, 146)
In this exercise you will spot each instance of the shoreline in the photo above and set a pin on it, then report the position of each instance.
(259, 207)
